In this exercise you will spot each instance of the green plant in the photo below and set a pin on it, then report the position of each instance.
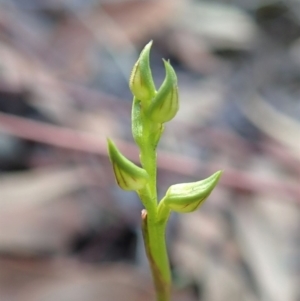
(150, 110)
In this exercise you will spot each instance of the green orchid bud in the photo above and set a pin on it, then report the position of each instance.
(128, 175)
(141, 82)
(165, 104)
(187, 197)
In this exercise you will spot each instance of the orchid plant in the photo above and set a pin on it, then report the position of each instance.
(151, 109)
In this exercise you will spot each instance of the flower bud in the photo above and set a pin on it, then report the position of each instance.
(187, 197)
(128, 175)
(165, 104)
(141, 82)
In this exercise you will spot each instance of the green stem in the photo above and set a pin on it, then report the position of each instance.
(148, 156)
(148, 159)
(154, 229)
(155, 246)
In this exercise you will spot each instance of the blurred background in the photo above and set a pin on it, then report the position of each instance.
(67, 232)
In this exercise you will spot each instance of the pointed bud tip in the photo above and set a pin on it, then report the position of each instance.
(111, 147)
(149, 45)
(217, 175)
(166, 62)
